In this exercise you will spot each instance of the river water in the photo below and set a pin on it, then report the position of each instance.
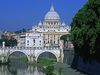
(16, 67)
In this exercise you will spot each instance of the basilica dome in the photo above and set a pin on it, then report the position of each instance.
(52, 15)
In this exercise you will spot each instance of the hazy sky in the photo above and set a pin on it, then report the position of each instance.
(18, 14)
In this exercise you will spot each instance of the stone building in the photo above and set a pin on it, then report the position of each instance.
(48, 32)
(34, 39)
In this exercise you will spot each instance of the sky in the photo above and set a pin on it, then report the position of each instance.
(19, 14)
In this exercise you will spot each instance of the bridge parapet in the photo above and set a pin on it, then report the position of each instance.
(32, 53)
(30, 48)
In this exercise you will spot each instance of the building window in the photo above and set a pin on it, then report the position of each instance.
(44, 42)
(40, 41)
(27, 41)
(35, 29)
(49, 23)
(54, 42)
(33, 40)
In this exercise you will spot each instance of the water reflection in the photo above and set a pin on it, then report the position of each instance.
(20, 68)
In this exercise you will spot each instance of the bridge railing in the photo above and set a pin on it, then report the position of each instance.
(31, 48)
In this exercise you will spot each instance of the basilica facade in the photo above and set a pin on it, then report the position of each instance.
(48, 32)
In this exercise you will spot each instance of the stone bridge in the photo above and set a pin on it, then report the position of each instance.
(32, 53)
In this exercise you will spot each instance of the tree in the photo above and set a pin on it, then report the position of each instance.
(65, 38)
(9, 42)
(49, 70)
(85, 31)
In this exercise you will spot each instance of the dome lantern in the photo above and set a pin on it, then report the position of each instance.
(52, 9)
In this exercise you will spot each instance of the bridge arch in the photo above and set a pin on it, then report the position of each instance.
(10, 53)
(54, 53)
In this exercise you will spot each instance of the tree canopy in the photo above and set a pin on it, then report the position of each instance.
(63, 37)
(9, 42)
(85, 33)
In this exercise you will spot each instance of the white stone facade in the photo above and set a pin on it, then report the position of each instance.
(21, 40)
(34, 39)
(51, 29)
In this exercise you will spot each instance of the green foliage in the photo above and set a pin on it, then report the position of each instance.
(64, 37)
(8, 42)
(46, 62)
(86, 29)
(49, 70)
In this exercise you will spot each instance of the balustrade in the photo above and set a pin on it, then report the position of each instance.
(31, 48)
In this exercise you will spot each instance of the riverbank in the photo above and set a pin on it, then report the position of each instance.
(59, 68)
(46, 62)
(64, 69)
(48, 65)
(92, 68)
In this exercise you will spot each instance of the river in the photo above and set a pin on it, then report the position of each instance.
(16, 67)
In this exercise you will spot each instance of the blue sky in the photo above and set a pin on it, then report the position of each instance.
(18, 14)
